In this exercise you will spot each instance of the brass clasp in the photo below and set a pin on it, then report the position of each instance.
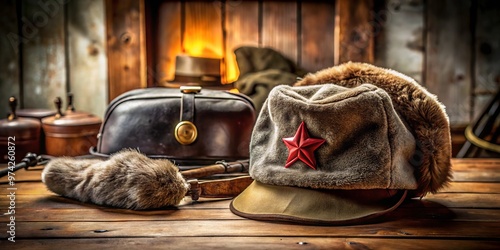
(190, 89)
(185, 132)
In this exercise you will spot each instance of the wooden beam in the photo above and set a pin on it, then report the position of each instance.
(167, 40)
(354, 38)
(279, 28)
(242, 29)
(317, 35)
(125, 46)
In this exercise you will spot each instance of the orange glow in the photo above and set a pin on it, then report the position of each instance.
(201, 39)
(232, 71)
(200, 48)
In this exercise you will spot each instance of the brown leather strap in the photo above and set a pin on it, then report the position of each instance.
(187, 107)
(226, 188)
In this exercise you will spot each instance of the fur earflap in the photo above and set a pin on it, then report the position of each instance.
(424, 114)
(128, 179)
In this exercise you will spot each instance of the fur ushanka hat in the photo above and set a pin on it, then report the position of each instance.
(344, 145)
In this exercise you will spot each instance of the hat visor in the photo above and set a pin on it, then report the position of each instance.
(261, 201)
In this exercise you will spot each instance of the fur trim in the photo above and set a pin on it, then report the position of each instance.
(422, 111)
(126, 180)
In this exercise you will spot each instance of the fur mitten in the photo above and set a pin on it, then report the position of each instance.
(126, 180)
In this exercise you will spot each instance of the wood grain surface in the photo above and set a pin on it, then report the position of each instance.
(464, 215)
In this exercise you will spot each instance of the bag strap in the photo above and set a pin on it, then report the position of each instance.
(226, 188)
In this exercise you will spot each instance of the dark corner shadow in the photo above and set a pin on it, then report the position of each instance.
(411, 210)
(416, 209)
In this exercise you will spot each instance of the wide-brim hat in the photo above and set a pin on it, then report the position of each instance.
(196, 71)
(345, 149)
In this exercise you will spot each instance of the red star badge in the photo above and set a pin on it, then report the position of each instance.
(301, 147)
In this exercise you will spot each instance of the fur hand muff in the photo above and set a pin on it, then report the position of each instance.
(128, 180)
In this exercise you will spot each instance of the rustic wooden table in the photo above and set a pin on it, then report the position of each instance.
(465, 215)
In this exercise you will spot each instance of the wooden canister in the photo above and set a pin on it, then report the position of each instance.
(18, 135)
(71, 133)
(38, 114)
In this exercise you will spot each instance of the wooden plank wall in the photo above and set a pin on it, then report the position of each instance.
(448, 56)
(289, 27)
(279, 28)
(43, 56)
(87, 55)
(242, 22)
(354, 31)
(168, 41)
(486, 63)
(316, 54)
(50, 48)
(126, 46)
(399, 36)
(450, 46)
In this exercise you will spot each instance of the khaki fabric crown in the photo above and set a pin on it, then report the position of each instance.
(329, 154)
(367, 146)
